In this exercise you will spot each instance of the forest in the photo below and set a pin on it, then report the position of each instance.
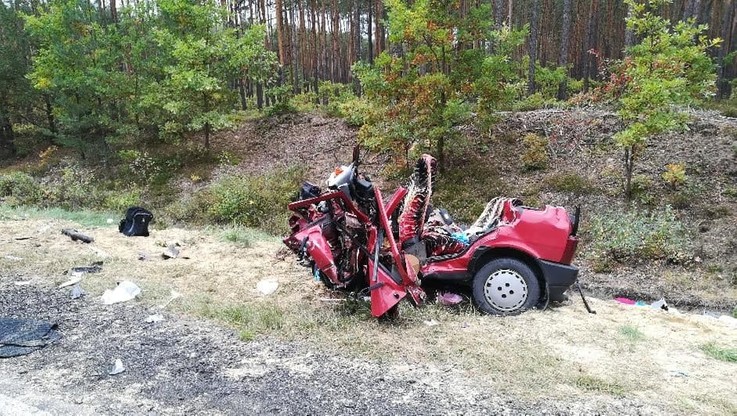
(95, 76)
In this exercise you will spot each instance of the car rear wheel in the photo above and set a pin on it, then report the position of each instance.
(505, 286)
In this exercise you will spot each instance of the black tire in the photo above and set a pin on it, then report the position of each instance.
(505, 286)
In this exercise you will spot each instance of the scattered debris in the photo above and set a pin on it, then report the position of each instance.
(77, 292)
(24, 237)
(23, 282)
(660, 304)
(449, 299)
(267, 287)
(142, 256)
(14, 258)
(431, 322)
(154, 318)
(123, 292)
(171, 252)
(117, 367)
(73, 281)
(23, 336)
(76, 235)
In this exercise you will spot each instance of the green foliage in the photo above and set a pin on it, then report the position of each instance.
(631, 333)
(720, 353)
(535, 152)
(422, 98)
(638, 235)
(251, 319)
(16, 93)
(570, 182)
(163, 69)
(675, 175)
(253, 201)
(501, 81)
(18, 188)
(668, 68)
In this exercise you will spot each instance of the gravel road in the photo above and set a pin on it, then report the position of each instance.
(181, 365)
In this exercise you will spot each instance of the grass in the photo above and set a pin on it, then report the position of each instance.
(720, 353)
(569, 182)
(242, 236)
(596, 384)
(631, 333)
(85, 218)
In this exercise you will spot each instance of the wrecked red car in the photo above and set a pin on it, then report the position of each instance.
(513, 258)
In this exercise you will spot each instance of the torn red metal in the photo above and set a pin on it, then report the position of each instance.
(512, 258)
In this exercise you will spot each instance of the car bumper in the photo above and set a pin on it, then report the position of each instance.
(559, 278)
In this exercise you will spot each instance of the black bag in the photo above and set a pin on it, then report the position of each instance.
(136, 222)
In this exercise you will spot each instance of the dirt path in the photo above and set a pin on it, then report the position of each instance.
(186, 366)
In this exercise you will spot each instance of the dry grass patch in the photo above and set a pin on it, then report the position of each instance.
(644, 355)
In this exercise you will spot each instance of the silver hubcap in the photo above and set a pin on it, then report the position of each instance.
(506, 290)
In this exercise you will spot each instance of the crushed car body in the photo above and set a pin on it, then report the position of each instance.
(513, 258)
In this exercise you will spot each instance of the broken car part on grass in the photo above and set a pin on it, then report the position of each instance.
(23, 336)
(512, 258)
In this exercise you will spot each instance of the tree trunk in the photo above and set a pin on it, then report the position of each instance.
(369, 32)
(280, 31)
(336, 45)
(379, 33)
(498, 13)
(509, 12)
(629, 35)
(315, 48)
(589, 60)
(723, 87)
(565, 34)
(534, 31)
(692, 9)
(7, 137)
(49, 109)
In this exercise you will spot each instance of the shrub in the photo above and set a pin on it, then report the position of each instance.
(535, 156)
(71, 188)
(636, 234)
(254, 201)
(675, 175)
(569, 182)
(18, 188)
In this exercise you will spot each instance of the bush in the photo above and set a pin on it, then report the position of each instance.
(639, 235)
(535, 156)
(675, 175)
(569, 182)
(72, 188)
(18, 188)
(253, 201)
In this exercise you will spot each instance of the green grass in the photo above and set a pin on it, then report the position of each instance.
(85, 218)
(596, 384)
(242, 236)
(631, 333)
(720, 353)
(250, 320)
